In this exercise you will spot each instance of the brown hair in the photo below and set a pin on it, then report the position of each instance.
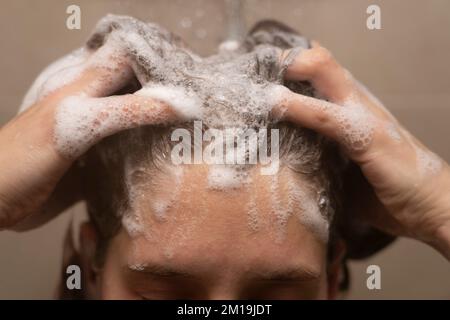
(318, 160)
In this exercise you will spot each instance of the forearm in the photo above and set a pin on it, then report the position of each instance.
(33, 155)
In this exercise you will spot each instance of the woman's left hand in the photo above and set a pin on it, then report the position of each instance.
(411, 184)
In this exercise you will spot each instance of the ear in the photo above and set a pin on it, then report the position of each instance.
(335, 268)
(88, 247)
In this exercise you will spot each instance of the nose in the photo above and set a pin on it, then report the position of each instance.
(224, 292)
(223, 296)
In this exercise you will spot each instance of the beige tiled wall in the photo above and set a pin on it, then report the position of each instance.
(405, 64)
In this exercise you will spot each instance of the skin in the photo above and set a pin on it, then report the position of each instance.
(401, 200)
(26, 186)
(241, 263)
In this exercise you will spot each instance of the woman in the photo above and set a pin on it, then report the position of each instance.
(164, 231)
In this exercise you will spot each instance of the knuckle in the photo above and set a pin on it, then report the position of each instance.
(323, 118)
(322, 58)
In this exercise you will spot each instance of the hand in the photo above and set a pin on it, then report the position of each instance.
(39, 146)
(411, 184)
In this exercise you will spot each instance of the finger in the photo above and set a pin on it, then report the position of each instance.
(95, 74)
(80, 76)
(109, 69)
(82, 121)
(310, 113)
(351, 125)
(331, 80)
(105, 72)
(318, 66)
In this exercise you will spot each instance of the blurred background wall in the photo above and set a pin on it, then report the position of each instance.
(405, 64)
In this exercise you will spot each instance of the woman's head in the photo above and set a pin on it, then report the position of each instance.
(213, 227)
(160, 229)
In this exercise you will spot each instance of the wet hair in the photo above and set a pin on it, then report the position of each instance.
(257, 58)
(317, 159)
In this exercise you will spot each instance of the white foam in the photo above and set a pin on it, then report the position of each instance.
(74, 127)
(229, 45)
(277, 94)
(309, 209)
(81, 122)
(253, 216)
(67, 69)
(55, 76)
(184, 102)
(162, 203)
(428, 163)
(223, 177)
(114, 64)
(133, 225)
(357, 125)
(131, 217)
(393, 132)
(221, 91)
(137, 266)
(281, 213)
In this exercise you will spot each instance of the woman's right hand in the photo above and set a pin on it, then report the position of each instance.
(38, 146)
(409, 186)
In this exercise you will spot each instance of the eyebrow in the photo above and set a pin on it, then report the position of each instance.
(297, 273)
(157, 270)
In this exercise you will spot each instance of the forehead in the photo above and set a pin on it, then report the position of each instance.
(180, 215)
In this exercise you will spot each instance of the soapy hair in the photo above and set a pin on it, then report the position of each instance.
(311, 156)
(106, 166)
(256, 60)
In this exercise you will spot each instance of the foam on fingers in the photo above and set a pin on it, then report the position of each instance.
(109, 62)
(428, 163)
(81, 121)
(232, 89)
(55, 76)
(351, 124)
(185, 103)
